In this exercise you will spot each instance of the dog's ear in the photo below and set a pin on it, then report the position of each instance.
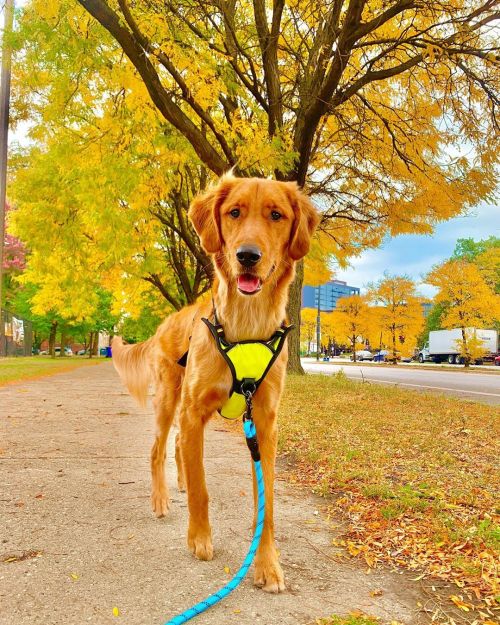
(205, 216)
(305, 223)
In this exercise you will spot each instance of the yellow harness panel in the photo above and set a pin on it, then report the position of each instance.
(249, 361)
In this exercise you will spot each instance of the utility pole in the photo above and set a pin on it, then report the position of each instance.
(318, 324)
(4, 136)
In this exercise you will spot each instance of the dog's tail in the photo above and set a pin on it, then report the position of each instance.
(134, 366)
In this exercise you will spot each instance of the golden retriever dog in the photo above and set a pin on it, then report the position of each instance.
(254, 229)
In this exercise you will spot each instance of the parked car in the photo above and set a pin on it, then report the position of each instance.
(497, 360)
(363, 354)
(83, 352)
(67, 351)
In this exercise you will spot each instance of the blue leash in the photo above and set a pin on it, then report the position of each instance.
(251, 436)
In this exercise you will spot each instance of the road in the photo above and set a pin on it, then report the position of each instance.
(482, 387)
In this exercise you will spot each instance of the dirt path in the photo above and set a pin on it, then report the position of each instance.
(74, 502)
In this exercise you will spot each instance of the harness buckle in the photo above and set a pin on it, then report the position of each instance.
(248, 386)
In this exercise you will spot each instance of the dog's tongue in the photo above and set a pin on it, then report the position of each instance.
(248, 283)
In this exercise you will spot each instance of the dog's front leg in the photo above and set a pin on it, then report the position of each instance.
(192, 425)
(268, 573)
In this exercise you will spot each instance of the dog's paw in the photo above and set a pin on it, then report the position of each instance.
(160, 502)
(201, 546)
(269, 575)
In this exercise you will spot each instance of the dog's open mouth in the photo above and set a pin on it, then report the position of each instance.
(249, 283)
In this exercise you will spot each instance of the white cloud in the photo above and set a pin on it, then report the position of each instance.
(415, 255)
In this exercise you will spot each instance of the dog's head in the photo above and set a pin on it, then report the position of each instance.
(255, 228)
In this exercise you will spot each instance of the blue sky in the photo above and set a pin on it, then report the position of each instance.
(414, 255)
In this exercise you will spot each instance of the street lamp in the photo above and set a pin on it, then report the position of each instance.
(318, 324)
(4, 131)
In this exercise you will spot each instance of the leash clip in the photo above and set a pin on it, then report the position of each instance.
(248, 388)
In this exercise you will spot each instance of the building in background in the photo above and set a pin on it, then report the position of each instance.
(328, 293)
(17, 336)
(426, 308)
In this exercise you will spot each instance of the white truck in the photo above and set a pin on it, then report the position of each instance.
(443, 344)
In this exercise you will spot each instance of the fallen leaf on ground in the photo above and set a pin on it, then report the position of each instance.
(25, 555)
(460, 603)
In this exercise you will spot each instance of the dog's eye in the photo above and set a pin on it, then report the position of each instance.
(235, 213)
(275, 216)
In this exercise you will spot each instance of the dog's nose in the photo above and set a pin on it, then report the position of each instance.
(248, 255)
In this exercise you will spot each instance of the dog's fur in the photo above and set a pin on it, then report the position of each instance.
(203, 387)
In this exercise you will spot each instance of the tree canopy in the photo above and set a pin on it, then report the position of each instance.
(386, 111)
(351, 320)
(468, 301)
(360, 100)
(400, 313)
(485, 254)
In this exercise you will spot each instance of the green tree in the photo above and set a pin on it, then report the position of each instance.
(469, 249)
(432, 322)
(19, 302)
(485, 254)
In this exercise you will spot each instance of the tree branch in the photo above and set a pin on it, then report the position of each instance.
(155, 280)
(176, 75)
(161, 98)
(269, 49)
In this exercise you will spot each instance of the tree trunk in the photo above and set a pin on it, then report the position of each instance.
(52, 339)
(394, 359)
(354, 348)
(293, 312)
(91, 343)
(63, 344)
(467, 357)
(95, 348)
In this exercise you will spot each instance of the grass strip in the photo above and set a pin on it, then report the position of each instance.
(414, 477)
(29, 368)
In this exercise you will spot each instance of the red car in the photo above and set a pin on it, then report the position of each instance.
(497, 360)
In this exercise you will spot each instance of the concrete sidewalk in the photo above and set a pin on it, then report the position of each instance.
(78, 537)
